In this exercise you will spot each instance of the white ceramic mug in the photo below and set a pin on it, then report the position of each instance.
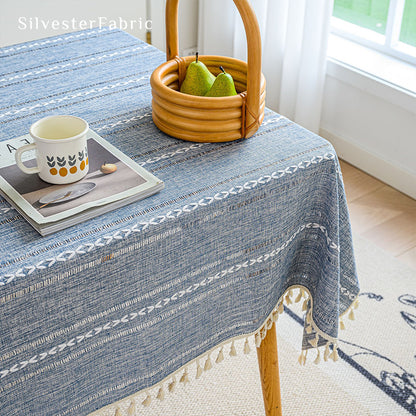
(61, 149)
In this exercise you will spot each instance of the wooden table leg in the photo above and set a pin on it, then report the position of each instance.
(269, 373)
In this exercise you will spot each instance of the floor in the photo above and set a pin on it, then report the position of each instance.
(381, 214)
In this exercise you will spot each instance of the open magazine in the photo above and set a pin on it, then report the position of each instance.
(50, 208)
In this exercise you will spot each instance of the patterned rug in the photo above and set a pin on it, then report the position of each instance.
(380, 344)
(375, 375)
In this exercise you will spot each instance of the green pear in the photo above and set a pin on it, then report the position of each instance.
(222, 86)
(198, 79)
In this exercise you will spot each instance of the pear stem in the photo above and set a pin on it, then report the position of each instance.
(196, 57)
(222, 69)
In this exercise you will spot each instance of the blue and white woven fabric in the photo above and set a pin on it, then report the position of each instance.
(117, 304)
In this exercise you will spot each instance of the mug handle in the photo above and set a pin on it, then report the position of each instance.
(18, 157)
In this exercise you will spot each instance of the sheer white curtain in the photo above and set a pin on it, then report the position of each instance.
(294, 38)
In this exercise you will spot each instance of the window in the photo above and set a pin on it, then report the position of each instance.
(386, 25)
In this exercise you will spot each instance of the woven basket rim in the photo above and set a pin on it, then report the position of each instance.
(164, 89)
(174, 93)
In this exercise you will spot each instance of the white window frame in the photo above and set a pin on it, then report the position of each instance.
(389, 43)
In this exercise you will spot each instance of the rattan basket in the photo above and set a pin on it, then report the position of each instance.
(209, 119)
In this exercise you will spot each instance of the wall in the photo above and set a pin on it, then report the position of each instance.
(372, 125)
(188, 25)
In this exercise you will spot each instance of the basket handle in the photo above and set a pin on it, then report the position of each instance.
(251, 26)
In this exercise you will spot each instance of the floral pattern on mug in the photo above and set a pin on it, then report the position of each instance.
(83, 158)
(72, 163)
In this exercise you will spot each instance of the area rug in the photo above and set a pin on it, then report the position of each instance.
(375, 374)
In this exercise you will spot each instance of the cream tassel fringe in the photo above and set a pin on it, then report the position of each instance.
(326, 355)
(208, 364)
(146, 402)
(350, 313)
(318, 357)
(309, 318)
(233, 351)
(302, 357)
(185, 379)
(172, 385)
(199, 370)
(314, 341)
(334, 354)
(246, 347)
(220, 356)
(161, 394)
(132, 409)
(258, 337)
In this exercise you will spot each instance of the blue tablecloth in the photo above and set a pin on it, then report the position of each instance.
(99, 311)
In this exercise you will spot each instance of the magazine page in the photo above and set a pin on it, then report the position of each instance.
(45, 203)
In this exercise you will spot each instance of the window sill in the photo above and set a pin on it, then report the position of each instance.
(373, 71)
